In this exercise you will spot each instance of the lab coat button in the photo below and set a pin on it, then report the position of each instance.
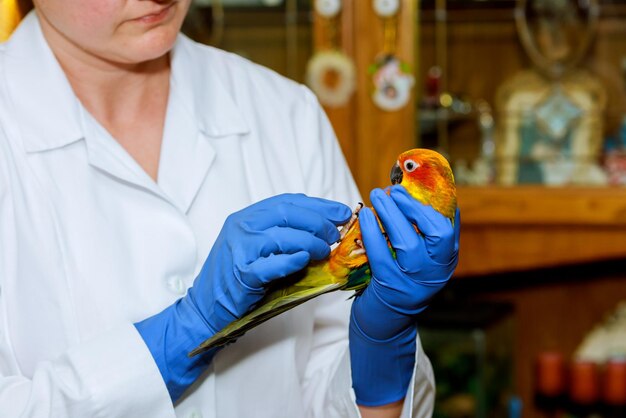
(176, 285)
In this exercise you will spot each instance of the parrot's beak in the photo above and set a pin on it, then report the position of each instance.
(396, 174)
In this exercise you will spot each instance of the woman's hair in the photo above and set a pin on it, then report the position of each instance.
(25, 6)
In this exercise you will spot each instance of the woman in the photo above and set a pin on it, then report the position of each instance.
(147, 198)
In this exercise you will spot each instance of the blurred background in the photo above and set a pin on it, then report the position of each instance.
(527, 100)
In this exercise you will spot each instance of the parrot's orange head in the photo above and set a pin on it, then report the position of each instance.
(427, 176)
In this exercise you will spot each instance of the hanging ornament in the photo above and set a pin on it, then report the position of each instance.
(328, 8)
(386, 8)
(392, 78)
(331, 75)
(330, 72)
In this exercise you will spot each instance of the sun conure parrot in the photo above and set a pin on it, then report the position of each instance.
(424, 173)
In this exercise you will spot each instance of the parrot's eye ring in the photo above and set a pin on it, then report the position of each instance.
(410, 165)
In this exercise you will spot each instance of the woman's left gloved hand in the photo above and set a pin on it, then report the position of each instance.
(382, 324)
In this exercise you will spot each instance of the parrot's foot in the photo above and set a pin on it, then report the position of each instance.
(355, 215)
(360, 249)
(356, 293)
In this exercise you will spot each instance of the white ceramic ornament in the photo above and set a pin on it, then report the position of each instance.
(332, 77)
(386, 8)
(393, 82)
(328, 8)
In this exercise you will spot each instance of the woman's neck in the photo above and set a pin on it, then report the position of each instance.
(110, 91)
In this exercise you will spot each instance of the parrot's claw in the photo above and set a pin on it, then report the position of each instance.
(355, 215)
(356, 294)
(359, 250)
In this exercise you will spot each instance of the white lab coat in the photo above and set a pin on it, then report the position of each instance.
(89, 244)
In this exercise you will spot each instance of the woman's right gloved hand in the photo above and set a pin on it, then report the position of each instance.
(263, 242)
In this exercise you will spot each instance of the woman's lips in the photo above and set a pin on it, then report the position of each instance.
(158, 16)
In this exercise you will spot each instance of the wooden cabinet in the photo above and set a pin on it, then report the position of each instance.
(557, 255)
(520, 228)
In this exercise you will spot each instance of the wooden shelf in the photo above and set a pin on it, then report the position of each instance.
(521, 228)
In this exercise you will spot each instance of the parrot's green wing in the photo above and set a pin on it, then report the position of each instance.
(359, 278)
(277, 305)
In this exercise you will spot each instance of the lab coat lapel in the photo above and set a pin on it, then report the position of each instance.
(107, 155)
(186, 156)
(201, 110)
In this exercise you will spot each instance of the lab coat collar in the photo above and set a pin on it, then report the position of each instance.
(38, 86)
(47, 110)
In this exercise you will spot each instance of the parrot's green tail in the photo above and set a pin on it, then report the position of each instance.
(305, 285)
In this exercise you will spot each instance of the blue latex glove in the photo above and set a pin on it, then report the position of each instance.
(382, 323)
(263, 242)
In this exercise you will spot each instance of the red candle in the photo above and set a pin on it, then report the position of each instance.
(615, 382)
(584, 382)
(550, 378)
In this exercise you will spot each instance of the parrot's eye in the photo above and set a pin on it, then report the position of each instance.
(410, 165)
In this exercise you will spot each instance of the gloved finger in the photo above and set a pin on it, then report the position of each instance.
(278, 240)
(263, 270)
(292, 216)
(432, 223)
(401, 233)
(379, 257)
(436, 228)
(335, 212)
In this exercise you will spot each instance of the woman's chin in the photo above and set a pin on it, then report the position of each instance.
(147, 49)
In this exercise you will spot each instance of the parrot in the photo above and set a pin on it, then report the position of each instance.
(427, 177)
